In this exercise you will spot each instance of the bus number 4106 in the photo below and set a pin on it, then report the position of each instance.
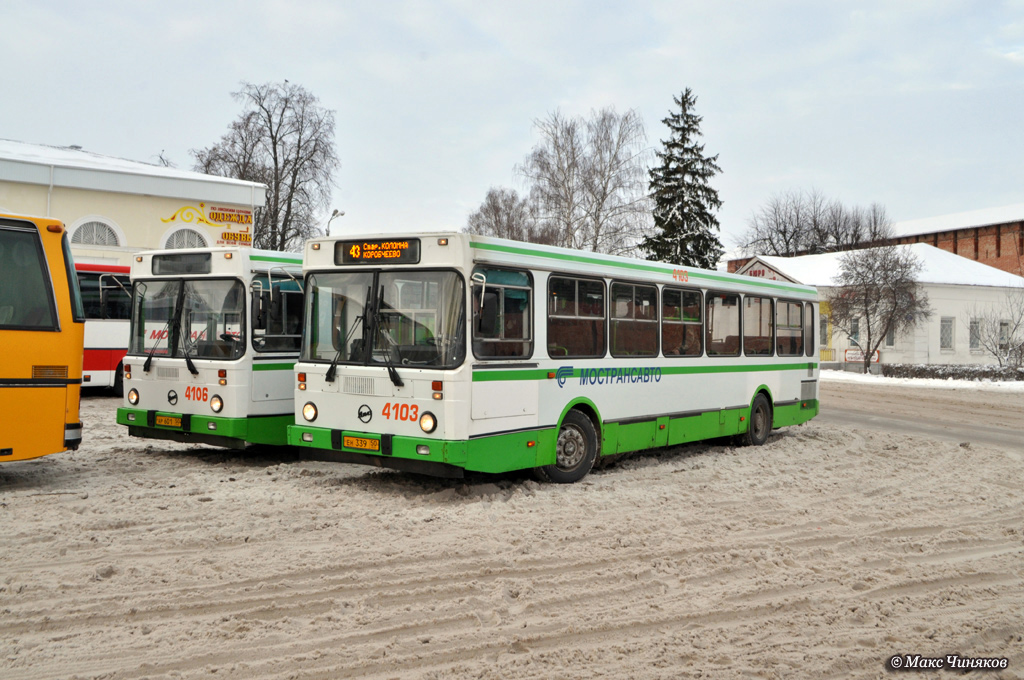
(197, 393)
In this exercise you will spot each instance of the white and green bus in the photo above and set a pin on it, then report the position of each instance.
(442, 353)
(214, 335)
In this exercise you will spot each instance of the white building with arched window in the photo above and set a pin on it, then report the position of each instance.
(114, 207)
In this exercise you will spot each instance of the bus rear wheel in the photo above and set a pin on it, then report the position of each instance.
(119, 381)
(760, 425)
(575, 453)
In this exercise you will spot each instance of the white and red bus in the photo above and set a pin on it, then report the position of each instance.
(106, 294)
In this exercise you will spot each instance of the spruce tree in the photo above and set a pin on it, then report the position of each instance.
(684, 200)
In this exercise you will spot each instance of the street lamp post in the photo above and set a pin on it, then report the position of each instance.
(336, 213)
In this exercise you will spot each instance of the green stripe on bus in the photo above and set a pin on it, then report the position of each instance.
(271, 258)
(256, 366)
(640, 266)
(535, 374)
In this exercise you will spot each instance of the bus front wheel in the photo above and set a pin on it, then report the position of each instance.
(760, 423)
(575, 453)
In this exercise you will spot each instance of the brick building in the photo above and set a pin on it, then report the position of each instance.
(994, 236)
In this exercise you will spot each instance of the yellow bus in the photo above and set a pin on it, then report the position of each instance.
(42, 324)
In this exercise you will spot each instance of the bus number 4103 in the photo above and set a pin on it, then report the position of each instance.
(398, 411)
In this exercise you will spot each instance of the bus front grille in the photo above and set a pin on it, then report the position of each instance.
(365, 386)
(49, 372)
(167, 372)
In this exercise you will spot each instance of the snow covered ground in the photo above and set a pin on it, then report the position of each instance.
(933, 383)
(821, 554)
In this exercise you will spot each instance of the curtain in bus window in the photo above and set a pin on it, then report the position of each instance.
(789, 329)
(634, 323)
(575, 318)
(757, 326)
(681, 328)
(212, 318)
(723, 324)
(26, 293)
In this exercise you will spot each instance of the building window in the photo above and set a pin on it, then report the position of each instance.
(890, 338)
(946, 333)
(185, 238)
(975, 334)
(95, 234)
(823, 335)
(855, 331)
(1004, 335)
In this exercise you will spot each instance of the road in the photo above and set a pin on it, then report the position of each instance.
(960, 414)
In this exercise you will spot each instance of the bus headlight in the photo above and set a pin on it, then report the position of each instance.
(216, 403)
(133, 396)
(309, 411)
(428, 423)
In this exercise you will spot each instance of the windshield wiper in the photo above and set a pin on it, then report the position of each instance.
(333, 368)
(396, 380)
(149, 359)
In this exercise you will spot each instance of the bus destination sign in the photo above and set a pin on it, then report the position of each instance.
(390, 251)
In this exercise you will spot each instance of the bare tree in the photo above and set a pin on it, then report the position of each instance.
(877, 290)
(587, 180)
(505, 215)
(797, 222)
(998, 330)
(284, 139)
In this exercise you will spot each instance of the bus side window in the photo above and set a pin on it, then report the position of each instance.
(723, 325)
(576, 314)
(681, 328)
(501, 313)
(789, 329)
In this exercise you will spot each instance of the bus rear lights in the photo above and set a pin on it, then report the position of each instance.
(222, 381)
(133, 396)
(307, 436)
(216, 403)
(428, 423)
(302, 381)
(309, 411)
(437, 386)
(222, 373)
(422, 450)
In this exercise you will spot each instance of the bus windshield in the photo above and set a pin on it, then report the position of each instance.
(199, 318)
(404, 318)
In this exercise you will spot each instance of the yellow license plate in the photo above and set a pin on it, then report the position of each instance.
(168, 421)
(362, 443)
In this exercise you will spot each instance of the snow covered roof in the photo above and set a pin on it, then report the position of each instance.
(79, 169)
(972, 218)
(940, 266)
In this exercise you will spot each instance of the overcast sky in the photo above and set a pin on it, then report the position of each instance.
(913, 104)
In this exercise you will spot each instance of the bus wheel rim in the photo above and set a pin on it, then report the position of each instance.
(572, 447)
